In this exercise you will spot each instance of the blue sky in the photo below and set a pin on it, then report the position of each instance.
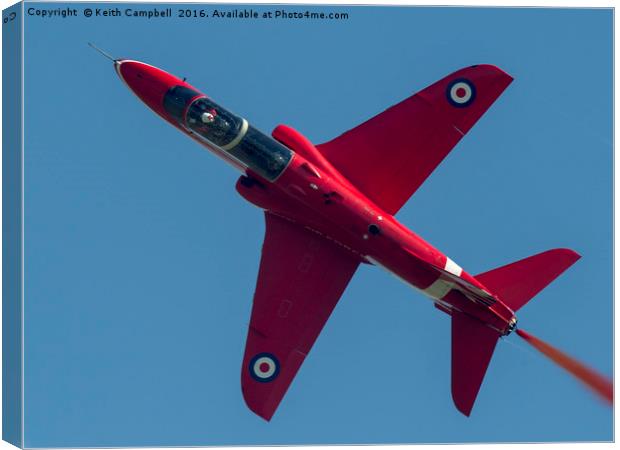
(141, 258)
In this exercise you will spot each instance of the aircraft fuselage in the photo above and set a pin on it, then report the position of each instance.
(287, 176)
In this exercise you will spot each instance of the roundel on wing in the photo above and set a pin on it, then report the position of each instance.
(461, 92)
(264, 367)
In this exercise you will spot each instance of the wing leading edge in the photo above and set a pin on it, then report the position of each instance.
(301, 278)
(389, 156)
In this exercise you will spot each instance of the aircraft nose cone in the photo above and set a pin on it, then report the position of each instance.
(149, 83)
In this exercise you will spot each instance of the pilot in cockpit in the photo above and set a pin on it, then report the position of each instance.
(206, 120)
(208, 116)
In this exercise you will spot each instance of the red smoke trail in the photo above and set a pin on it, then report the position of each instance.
(598, 383)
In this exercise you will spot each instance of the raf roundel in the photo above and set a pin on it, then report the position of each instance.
(264, 367)
(461, 92)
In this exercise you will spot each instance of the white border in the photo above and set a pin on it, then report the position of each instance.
(474, 3)
(23, 315)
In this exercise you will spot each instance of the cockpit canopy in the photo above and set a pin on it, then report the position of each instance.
(213, 122)
(225, 131)
(177, 99)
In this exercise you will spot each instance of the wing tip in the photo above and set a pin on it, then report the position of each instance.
(569, 253)
(258, 409)
(492, 68)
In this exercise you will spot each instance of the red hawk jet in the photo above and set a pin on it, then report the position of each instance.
(329, 208)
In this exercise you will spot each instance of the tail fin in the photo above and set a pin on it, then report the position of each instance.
(472, 347)
(515, 284)
(473, 342)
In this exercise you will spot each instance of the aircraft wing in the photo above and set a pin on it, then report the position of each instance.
(301, 278)
(389, 156)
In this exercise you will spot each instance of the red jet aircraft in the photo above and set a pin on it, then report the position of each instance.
(329, 208)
